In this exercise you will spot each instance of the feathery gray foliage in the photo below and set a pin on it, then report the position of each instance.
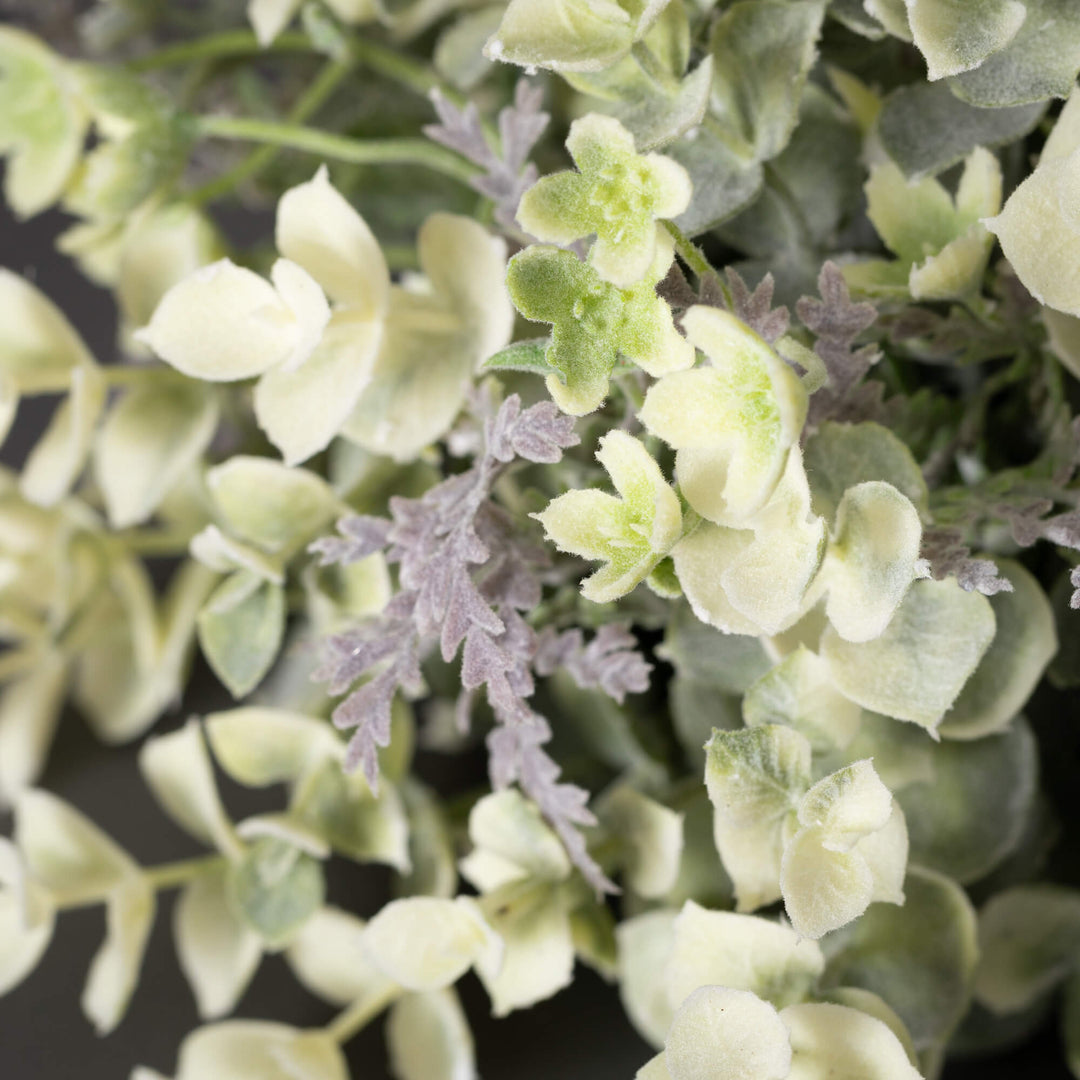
(466, 575)
(509, 174)
(836, 322)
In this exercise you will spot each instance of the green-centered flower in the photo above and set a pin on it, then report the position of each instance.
(631, 533)
(594, 321)
(616, 195)
(731, 422)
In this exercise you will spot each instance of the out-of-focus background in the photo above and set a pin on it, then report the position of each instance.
(582, 1034)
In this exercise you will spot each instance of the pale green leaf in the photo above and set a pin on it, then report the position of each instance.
(258, 745)
(755, 778)
(240, 630)
(724, 1034)
(65, 852)
(327, 955)
(1039, 232)
(744, 952)
(29, 712)
(1041, 61)
(916, 669)
(317, 229)
(339, 808)
(570, 35)
(425, 943)
(222, 323)
(920, 958)
(799, 692)
(925, 129)
(265, 503)
(508, 825)
(178, 770)
(645, 943)
(259, 1050)
(1025, 642)
(217, 952)
(969, 815)
(148, 441)
(39, 348)
(61, 453)
(42, 122)
(429, 1039)
(763, 52)
(958, 35)
(21, 946)
(114, 971)
(839, 456)
(651, 836)
(302, 409)
(830, 1041)
(871, 560)
(1029, 940)
(275, 887)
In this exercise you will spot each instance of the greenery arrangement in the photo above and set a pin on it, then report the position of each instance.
(674, 396)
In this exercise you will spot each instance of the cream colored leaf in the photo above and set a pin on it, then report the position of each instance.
(724, 1034)
(916, 669)
(61, 453)
(177, 767)
(222, 323)
(39, 348)
(743, 952)
(328, 955)
(148, 441)
(429, 1038)
(65, 852)
(425, 943)
(217, 952)
(834, 1042)
(318, 229)
(114, 971)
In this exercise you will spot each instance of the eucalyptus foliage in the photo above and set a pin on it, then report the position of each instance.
(675, 398)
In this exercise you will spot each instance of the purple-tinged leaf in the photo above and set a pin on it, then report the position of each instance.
(755, 308)
(949, 556)
(361, 536)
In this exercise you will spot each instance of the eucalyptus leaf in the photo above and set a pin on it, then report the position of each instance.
(920, 958)
(274, 888)
(1040, 62)
(241, 628)
(971, 815)
(1030, 940)
(916, 669)
(925, 129)
(429, 1038)
(1025, 642)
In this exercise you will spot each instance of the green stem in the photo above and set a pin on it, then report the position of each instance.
(654, 70)
(170, 875)
(232, 44)
(692, 255)
(324, 144)
(223, 46)
(360, 1013)
(306, 106)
